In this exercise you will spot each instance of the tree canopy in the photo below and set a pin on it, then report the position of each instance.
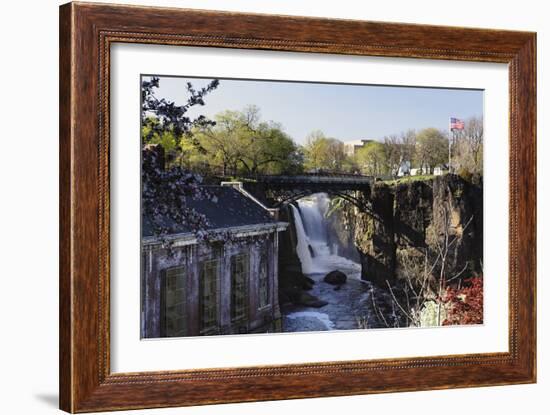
(241, 143)
(372, 159)
(324, 153)
(432, 149)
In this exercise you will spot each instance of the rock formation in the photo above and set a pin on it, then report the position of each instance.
(411, 224)
(335, 278)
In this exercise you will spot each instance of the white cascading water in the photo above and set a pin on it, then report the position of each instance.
(312, 235)
(302, 246)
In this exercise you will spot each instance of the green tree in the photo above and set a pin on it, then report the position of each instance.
(431, 149)
(152, 134)
(372, 159)
(222, 142)
(267, 149)
(324, 153)
(241, 143)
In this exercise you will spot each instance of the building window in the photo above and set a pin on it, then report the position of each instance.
(208, 295)
(263, 280)
(173, 303)
(239, 286)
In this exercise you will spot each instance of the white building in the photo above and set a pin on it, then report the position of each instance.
(351, 147)
(404, 169)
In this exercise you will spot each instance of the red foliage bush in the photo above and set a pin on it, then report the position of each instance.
(464, 305)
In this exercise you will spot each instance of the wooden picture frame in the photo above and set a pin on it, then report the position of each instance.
(86, 33)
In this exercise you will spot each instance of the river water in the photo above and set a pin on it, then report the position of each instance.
(349, 305)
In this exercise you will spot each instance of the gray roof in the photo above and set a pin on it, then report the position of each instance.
(226, 208)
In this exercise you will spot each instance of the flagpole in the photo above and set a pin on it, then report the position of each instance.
(450, 145)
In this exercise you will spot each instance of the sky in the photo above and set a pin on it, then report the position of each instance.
(343, 111)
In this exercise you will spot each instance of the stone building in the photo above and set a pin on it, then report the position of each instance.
(223, 287)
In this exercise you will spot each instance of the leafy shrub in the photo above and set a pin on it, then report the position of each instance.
(465, 304)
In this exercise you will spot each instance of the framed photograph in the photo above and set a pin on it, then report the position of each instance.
(258, 207)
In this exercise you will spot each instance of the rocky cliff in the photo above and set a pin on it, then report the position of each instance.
(433, 225)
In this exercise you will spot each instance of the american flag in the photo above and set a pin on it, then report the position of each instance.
(456, 124)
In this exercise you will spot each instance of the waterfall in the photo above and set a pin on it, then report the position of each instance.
(314, 223)
(316, 254)
(302, 247)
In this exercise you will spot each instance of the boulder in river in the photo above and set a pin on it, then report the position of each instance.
(292, 282)
(335, 278)
(306, 285)
(310, 280)
(311, 301)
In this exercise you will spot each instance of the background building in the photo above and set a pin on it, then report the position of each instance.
(351, 147)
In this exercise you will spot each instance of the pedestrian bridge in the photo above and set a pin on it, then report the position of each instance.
(325, 180)
(276, 190)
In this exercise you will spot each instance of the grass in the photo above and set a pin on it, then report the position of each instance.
(409, 179)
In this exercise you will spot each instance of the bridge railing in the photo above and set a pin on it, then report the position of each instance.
(316, 178)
